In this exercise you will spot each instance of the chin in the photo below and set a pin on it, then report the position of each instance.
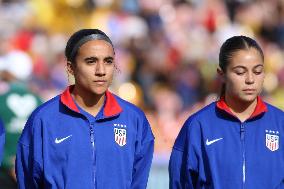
(248, 99)
(99, 91)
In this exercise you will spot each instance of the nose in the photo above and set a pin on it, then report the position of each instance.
(249, 78)
(100, 69)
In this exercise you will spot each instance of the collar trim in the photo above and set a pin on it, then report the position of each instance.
(111, 107)
(67, 99)
(259, 109)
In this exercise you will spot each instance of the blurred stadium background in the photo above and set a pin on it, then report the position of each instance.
(166, 52)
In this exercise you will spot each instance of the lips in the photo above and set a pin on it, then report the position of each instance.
(252, 90)
(100, 82)
(249, 91)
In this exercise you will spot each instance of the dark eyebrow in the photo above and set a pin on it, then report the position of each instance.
(90, 59)
(95, 58)
(109, 58)
(259, 65)
(243, 67)
(236, 67)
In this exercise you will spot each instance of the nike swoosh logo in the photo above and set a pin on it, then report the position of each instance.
(212, 141)
(57, 141)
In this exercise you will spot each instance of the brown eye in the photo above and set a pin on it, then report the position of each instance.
(109, 61)
(90, 62)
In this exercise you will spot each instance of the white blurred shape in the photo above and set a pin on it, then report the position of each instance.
(167, 13)
(17, 63)
(127, 91)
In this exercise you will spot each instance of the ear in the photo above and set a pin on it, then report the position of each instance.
(221, 74)
(70, 68)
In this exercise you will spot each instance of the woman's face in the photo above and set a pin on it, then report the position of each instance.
(94, 67)
(244, 75)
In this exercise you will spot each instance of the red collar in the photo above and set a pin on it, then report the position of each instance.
(259, 109)
(111, 107)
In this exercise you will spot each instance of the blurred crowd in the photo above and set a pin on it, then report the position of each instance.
(166, 50)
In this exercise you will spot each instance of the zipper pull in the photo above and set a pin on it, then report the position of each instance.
(92, 134)
(242, 131)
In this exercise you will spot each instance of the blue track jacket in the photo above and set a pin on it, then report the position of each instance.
(62, 148)
(2, 140)
(214, 150)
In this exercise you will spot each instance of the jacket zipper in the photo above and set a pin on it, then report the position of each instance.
(93, 154)
(243, 153)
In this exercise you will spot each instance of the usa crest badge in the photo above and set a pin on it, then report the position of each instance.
(272, 140)
(120, 136)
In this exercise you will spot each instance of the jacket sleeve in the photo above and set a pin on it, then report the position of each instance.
(143, 157)
(28, 157)
(2, 140)
(184, 160)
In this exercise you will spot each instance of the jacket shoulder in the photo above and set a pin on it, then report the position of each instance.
(47, 107)
(273, 108)
(208, 110)
(274, 112)
(129, 107)
(32, 127)
(193, 122)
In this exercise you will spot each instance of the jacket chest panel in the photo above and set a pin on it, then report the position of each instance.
(114, 137)
(66, 139)
(223, 150)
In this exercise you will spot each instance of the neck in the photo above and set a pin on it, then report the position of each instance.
(89, 102)
(241, 109)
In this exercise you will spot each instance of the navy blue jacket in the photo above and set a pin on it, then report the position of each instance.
(2, 140)
(215, 150)
(63, 148)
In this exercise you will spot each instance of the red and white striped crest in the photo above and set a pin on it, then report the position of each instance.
(120, 136)
(272, 142)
